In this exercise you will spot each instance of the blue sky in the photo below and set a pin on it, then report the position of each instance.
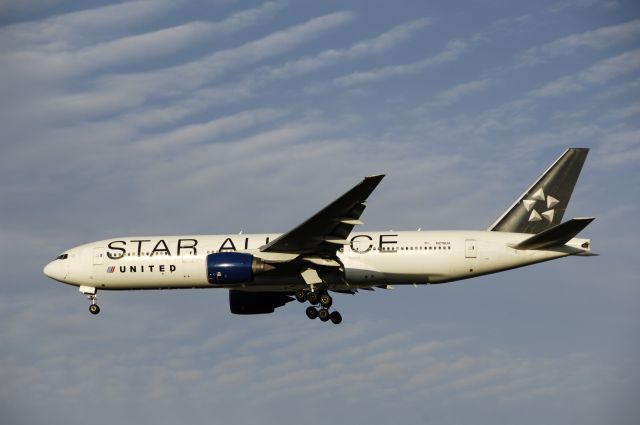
(205, 117)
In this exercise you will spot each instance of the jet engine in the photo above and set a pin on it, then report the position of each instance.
(234, 267)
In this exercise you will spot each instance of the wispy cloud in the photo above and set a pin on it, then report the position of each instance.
(194, 74)
(618, 149)
(597, 39)
(107, 94)
(452, 51)
(376, 45)
(623, 113)
(582, 4)
(68, 56)
(85, 27)
(502, 27)
(599, 73)
(456, 93)
(261, 365)
(208, 132)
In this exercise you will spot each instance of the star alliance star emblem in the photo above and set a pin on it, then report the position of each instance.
(530, 203)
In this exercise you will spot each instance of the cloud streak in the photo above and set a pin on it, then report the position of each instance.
(452, 51)
(375, 45)
(454, 94)
(597, 74)
(596, 39)
(367, 361)
(77, 29)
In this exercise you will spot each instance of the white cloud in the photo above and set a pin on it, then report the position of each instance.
(619, 114)
(191, 75)
(503, 27)
(371, 46)
(208, 132)
(85, 27)
(141, 47)
(452, 51)
(118, 93)
(24, 7)
(597, 74)
(456, 93)
(61, 57)
(168, 369)
(583, 4)
(597, 39)
(619, 149)
(608, 69)
(559, 87)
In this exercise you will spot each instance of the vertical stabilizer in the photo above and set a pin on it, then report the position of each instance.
(544, 203)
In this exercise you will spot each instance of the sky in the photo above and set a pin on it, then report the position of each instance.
(206, 117)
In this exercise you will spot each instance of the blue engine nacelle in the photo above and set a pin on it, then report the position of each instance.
(233, 267)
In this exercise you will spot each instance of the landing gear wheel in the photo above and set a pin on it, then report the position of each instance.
(94, 309)
(313, 297)
(323, 314)
(336, 318)
(301, 295)
(326, 300)
(312, 312)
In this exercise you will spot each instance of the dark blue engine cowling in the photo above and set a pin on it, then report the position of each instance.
(234, 267)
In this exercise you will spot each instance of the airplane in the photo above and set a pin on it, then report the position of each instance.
(324, 255)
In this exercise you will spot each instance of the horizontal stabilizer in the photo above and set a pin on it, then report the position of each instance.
(556, 235)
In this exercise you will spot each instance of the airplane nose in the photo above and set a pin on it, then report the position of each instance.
(54, 270)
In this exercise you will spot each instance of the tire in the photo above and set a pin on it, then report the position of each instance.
(326, 300)
(94, 309)
(312, 312)
(323, 314)
(313, 298)
(301, 295)
(336, 318)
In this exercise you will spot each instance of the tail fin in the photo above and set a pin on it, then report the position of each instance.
(544, 203)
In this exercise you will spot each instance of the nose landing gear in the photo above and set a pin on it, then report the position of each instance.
(91, 292)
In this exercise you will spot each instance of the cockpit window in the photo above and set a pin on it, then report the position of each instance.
(62, 257)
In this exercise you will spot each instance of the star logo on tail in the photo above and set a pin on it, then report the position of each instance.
(549, 202)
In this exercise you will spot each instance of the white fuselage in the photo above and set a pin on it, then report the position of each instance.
(371, 259)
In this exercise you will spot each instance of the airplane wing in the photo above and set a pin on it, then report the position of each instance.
(325, 232)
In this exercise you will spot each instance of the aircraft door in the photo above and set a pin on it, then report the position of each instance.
(470, 248)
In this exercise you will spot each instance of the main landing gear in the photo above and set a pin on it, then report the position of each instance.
(324, 299)
(91, 294)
